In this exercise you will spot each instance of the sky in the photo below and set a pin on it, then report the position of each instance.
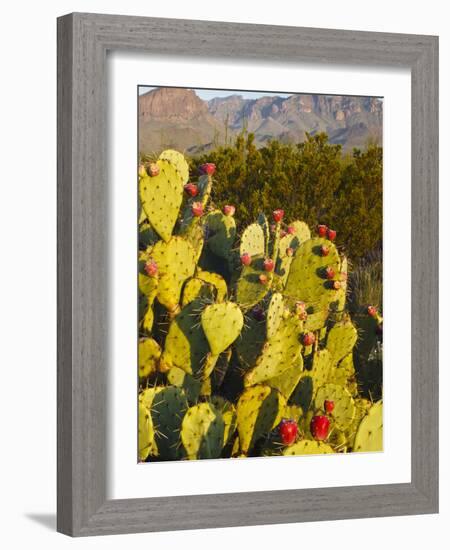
(206, 95)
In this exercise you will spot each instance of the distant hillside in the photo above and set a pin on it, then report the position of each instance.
(178, 118)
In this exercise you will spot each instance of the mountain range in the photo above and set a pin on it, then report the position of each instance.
(177, 118)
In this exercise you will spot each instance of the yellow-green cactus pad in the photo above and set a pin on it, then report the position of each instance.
(341, 339)
(308, 447)
(196, 288)
(259, 410)
(344, 407)
(149, 354)
(249, 289)
(316, 320)
(306, 281)
(190, 385)
(278, 353)
(202, 432)
(176, 263)
(228, 412)
(168, 408)
(288, 380)
(221, 233)
(178, 161)
(301, 231)
(217, 281)
(369, 437)
(222, 324)
(322, 368)
(186, 346)
(252, 241)
(274, 314)
(147, 444)
(251, 340)
(161, 198)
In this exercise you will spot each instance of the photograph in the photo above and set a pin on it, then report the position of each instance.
(259, 280)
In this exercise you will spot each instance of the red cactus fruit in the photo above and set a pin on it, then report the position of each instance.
(308, 339)
(324, 250)
(263, 279)
(328, 405)
(288, 430)
(278, 215)
(322, 230)
(246, 259)
(331, 234)
(336, 285)
(229, 210)
(208, 168)
(151, 268)
(320, 426)
(268, 264)
(291, 230)
(191, 189)
(372, 311)
(153, 169)
(197, 209)
(289, 251)
(329, 272)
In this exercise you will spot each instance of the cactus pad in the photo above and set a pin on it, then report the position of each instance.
(202, 432)
(190, 385)
(228, 413)
(149, 354)
(222, 233)
(178, 161)
(249, 289)
(168, 408)
(147, 445)
(344, 406)
(308, 447)
(222, 324)
(274, 314)
(341, 339)
(196, 288)
(288, 380)
(161, 198)
(278, 353)
(301, 231)
(259, 410)
(176, 263)
(369, 437)
(253, 241)
(217, 281)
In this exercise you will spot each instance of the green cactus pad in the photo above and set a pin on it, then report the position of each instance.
(146, 324)
(322, 366)
(303, 393)
(252, 241)
(344, 406)
(202, 432)
(274, 314)
(178, 161)
(147, 237)
(196, 288)
(367, 327)
(278, 354)
(222, 233)
(228, 412)
(338, 306)
(306, 281)
(344, 373)
(341, 339)
(369, 437)
(316, 320)
(259, 410)
(250, 290)
(288, 380)
(251, 340)
(186, 346)
(190, 385)
(302, 231)
(168, 408)
(147, 444)
(149, 354)
(308, 447)
(176, 263)
(264, 223)
(161, 198)
(217, 281)
(222, 324)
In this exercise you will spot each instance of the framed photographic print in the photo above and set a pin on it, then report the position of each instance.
(247, 284)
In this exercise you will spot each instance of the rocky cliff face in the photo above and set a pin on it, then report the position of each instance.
(177, 117)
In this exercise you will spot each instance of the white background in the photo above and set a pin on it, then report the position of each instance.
(28, 267)
(131, 480)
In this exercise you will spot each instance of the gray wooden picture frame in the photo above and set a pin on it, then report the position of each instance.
(83, 42)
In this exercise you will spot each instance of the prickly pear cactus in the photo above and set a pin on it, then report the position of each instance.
(238, 333)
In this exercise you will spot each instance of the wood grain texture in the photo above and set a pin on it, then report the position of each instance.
(83, 205)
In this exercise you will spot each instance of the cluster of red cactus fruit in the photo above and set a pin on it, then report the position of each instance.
(324, 231)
